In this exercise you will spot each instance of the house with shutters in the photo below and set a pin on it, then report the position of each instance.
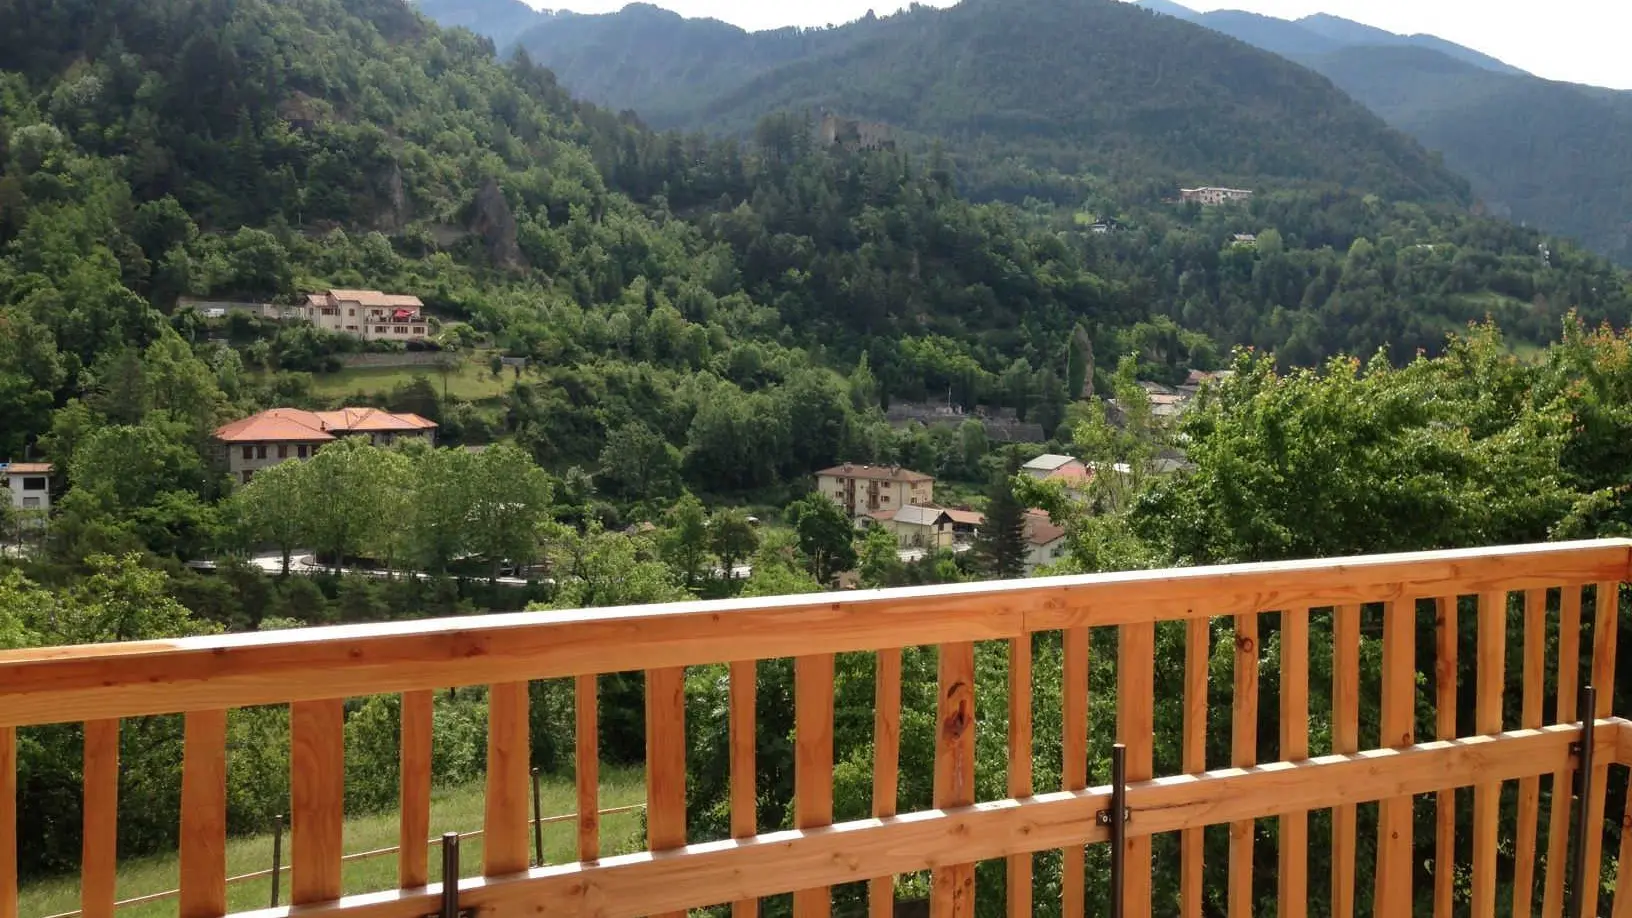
(367, 314)
(280, 434)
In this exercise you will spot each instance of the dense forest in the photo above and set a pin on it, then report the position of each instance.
(706, 323)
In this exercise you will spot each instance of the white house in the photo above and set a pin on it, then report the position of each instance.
(29, 486)
(1045, 542)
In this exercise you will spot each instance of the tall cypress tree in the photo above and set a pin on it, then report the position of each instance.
(1000, 548)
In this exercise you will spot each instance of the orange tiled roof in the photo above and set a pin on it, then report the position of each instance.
(875, 473)
(27, 468)
(1074, 473)
(966, 517)
(1040, 530)
(294, 424)
(370, 298)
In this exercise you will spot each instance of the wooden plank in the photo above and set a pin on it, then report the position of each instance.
(813, 764)
(8, 822)
(886, 766)
(203, 857)
(952, 888)
(1345, 739)
(1445, 680)
(414, 827)
(1393, 891)
(1623, 869)
(317, 766)
(1605, 629)
(586, 708)
(99, 841)
(638, 884)
(1197, 651)
(744, 774)
(58, 685)
(1293, 875)
(1558, 826)
(1488, 719)
(1529, 801)
(666, 764)
(1019, 866)
(1136, 729)
(1243, 754)
(1074, 770)
(509, 757)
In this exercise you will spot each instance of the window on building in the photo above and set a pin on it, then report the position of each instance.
(419, 329)
(248, 475)
(300, 451)
(249, 452)
(260, 451)
(283, 451)
(351, 312)
(31, 503)
(379, 329)
(34, 484)
(351, 328)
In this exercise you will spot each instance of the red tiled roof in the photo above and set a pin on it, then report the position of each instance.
(294, 424)
(27, 468)
(1040, 530)
(967, 517)
(876, 473)
(366, 298)
(1074, 473)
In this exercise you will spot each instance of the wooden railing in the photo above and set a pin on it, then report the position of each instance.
(1512, 740)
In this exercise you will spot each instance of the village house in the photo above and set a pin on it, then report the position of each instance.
(1045, 542)
(916, 526)
(1073, 473)
(861, 490)
(281, 434)
(28, 486)
(367, 314)
(1213, 197)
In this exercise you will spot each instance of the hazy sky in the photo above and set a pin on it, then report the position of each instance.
(1584, 41)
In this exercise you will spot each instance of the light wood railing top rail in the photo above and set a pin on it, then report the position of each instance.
(63, 684)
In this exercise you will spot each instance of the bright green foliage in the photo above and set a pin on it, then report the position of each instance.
(732, 538)
(684, 541)
(879, 559)
(826, 536)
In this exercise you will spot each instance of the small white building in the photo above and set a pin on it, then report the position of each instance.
(28, 485)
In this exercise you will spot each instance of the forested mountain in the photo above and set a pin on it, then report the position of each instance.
(499, 20)
(1535, 150)
(1063, 86)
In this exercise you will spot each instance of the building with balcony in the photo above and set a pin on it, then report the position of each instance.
(367, 314)
(862, 490)
(281, 434)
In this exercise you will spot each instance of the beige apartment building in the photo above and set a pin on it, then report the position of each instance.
(281, 434)
(1213, 197)
(367, 314)
(862, 490)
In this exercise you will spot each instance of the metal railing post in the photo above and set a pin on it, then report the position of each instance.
(277, 856)
(450, 875)
(1116, 818)
(538, 825)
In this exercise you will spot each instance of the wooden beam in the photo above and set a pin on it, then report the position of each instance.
(1197, 653)
(886, 766)
(414, 825)
(68, 684)
(1558, 824)
(1345, 739)
(813, 764)
(1293, 875)
(1605, 630)
(1243, 754)
(952, 887)
(203, 855)
(1529, 802)
(1445, 680)
(317, 764)
(99, 841)
(632, 885)
(509, 758)
(1393, 891)
(743, 741)
(1135, 729)
(666, 765)
(1074, 770)
(1488, 719)
(1019, 867)
(586, 738)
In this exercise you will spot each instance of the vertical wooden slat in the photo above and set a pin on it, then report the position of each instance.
(1394, 836)
(8, 822)
(1445, 678)
(504, 818)
(1136, 727)
(204, 815)
(413, 847)
(1529, 804)
(99, 842)
(1243, 754)
(1623, 867)
(813, 764)
(1487, 720)
(886, 760)
(1074, 773)
(1569, 678)
(1293, 878)
(317, 765)
(586, 709)
(1604, 627)
(952, 888)
(1019, 866)
(1345, 741)
(666, 760)
(743, 741)
(1197, 650)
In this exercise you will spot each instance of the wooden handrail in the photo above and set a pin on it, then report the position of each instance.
(92, 682)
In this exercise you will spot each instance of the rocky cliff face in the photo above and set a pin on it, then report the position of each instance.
(497, 226)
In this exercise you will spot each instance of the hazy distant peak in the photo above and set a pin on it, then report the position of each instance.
(1168, 8)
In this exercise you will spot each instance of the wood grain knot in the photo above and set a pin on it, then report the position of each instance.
(957, 721)
(1244, 644)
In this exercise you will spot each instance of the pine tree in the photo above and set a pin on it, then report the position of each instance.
(1000, 548)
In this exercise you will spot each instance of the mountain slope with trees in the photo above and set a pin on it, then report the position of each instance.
(1065, 86)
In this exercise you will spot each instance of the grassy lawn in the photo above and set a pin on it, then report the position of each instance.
(452, 810)
(471, 381)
